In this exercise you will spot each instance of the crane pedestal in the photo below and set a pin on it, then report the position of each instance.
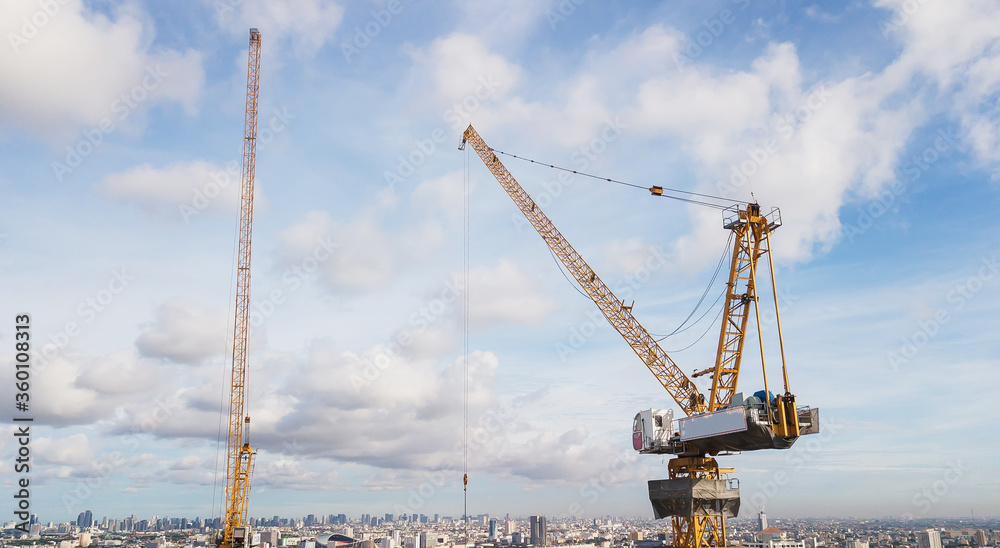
(698, 499)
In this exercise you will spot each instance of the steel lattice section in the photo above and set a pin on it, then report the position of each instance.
(659, 363)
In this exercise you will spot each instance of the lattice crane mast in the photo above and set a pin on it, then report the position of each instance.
(239, 454)
(697, 496)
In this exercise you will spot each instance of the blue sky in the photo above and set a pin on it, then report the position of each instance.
(873, 126)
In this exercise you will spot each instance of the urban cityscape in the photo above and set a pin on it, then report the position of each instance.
(484, 530)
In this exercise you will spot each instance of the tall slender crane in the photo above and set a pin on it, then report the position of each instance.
(239, 454)
(697, 496)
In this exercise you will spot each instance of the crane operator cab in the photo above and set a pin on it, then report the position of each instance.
(747, 424)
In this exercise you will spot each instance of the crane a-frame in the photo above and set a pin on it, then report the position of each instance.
(239, 453)
(696, 496)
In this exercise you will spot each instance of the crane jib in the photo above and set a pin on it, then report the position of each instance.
(656, 359)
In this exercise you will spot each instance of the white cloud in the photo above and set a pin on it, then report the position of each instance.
(504, 294)
(78, 391)
(185, 333)
(80, 68)
(306, 24)
(630, 256)
(72, 450)
(189, 462)
(461, 68)
(378, 409)
(507, 21)
(544, 455)
(831, 140)
(284, 472)
(443, 195)
(64, 402)
(182, 190)
(355, 255)
(958, 45)
(119, 373)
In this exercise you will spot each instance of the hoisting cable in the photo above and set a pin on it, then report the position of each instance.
(225, 376)
(729, 202)
(465, 321)
(696, 322)
(718, 268)
(709, 328)
(680, 328)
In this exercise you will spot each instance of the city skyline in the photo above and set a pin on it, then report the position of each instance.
(872, 125)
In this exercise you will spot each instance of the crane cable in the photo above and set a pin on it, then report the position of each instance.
(465, 319)
(707, 329)
(225, 376)
(729, 201)
(718, 268)
(680, 328)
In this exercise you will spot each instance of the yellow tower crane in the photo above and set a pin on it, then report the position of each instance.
(239, 454)
(697, 496)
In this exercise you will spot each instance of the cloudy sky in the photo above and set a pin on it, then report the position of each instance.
(874, 126)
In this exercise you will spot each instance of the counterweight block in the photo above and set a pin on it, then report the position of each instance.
(690, 497)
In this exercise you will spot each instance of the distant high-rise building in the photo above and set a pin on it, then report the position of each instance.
(761, 520)
(270, 537)
(493, 528)
(929, 538)
(516, 538)
(981, 538)
(539, 532)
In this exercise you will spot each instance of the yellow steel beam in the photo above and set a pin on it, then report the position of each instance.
(673, 379)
